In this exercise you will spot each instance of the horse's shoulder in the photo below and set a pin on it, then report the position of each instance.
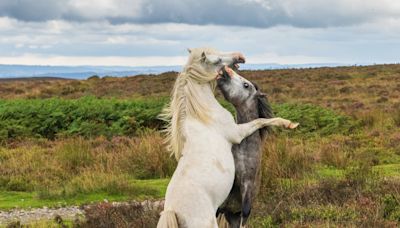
(225, 116)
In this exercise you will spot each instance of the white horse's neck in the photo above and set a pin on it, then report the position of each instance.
(208, 97)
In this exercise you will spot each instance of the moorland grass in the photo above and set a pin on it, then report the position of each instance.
(340, 168)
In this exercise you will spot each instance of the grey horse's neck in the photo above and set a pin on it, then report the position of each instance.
(246, 113)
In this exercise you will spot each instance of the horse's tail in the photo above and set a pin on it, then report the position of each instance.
(168, 220)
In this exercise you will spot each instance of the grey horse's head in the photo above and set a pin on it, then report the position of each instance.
(244, 95)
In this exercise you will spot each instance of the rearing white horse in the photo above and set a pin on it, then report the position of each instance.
(201, 133)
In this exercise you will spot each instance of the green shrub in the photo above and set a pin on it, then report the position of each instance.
(391, 207)
(91, 117)
(18, 184)
(87, 116)
(314, 119)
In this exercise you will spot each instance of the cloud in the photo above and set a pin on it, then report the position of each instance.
(60, 42)
(250, 13)
(53, 60)
(35, 59)
(36, 10)
(120, 32)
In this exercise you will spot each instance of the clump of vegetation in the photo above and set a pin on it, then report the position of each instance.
(92, 117)
(396, 118)
(121, 215)
(391, 207)
(314, 119)
(77, 166)
(284, 159)
(87, 116)
(353, 199)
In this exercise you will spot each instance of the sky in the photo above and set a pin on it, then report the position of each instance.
(158, 32)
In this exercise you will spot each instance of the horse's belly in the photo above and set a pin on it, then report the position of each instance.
(213, 171)
(207, 165)
(222, 183)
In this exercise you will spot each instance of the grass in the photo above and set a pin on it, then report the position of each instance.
(43, 224)
(329, 172)
(389, 170)
(148, 189)
(340, 168)
(74, 168)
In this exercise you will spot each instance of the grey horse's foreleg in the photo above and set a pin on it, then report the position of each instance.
(249, 128)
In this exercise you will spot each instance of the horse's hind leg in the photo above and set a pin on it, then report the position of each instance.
(234, 219)
(246, 207)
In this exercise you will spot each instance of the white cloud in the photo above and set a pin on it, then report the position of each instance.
(6, 23)
(34, 59)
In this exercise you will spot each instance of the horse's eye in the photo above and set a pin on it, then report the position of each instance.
(219, 61)
(246, 85)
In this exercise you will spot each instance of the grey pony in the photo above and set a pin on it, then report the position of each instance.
(249, 105)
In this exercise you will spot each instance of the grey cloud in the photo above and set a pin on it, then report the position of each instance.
(210, 12)
(32, 10)
(251, 13)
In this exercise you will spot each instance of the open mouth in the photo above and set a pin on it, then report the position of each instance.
(234, 66)
(239, 59)
(225, 73)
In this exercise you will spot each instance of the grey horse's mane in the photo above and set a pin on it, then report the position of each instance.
(264, 111)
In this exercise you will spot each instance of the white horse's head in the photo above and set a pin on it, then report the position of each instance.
(189, 92)
(211, 61)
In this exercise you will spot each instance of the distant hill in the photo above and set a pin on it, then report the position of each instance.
(83, 72)
(78, 72)
(32, 79)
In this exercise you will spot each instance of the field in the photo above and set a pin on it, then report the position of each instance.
(69, 142)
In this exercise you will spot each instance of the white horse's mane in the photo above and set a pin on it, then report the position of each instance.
(187, 100)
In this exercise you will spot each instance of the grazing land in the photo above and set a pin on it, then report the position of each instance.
(75, 142)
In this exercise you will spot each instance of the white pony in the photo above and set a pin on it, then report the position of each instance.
(201, 133)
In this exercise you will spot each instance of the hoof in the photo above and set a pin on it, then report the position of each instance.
(293, 125)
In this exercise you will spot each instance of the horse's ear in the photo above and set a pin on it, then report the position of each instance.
(189, 50)
(203, 56)
(260, 94)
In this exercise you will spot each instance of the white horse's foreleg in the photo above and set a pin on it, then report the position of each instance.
(246, 129)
